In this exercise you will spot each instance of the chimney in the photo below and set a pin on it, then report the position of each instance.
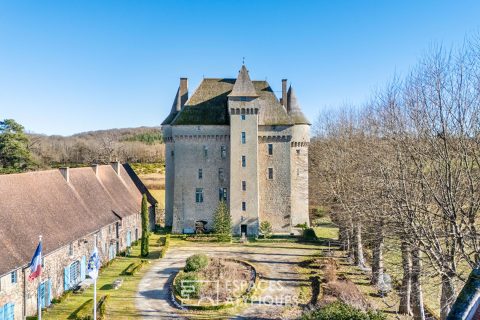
(116, 166)
(65, 171)
(95, 169)
(182, 93)
(284, 93)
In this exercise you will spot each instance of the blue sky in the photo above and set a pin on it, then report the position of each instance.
(72, 66)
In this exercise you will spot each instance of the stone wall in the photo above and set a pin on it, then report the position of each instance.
(56, 261)
(275, 204)
(198, 147)
(169, 174)
(249, 173)
(299, 173)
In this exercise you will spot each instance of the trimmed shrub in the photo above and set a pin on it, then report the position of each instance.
(187, 285)
(341, 311)
(134, 267)
(309, 234)
(102, 306)
(196, 262)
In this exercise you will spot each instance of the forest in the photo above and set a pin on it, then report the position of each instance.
(400, 177)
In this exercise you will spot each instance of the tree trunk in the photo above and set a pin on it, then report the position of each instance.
(417, 297)
(406, 287)
(359, 258)
(377, 260)
(448, 296)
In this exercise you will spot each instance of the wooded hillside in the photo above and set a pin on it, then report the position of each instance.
(144, 144)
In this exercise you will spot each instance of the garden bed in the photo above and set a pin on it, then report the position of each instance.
(218, 284)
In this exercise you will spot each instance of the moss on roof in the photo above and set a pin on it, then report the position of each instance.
(209, 105)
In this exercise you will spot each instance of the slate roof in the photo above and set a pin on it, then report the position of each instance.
(243, 86)
(208, 105)
(295, 111)
(43, 203)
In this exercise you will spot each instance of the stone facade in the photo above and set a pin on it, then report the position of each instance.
(265, 165)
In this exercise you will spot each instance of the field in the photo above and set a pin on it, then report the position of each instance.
(153, 177)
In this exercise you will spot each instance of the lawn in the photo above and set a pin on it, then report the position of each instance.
(325, 229)
(121, 304)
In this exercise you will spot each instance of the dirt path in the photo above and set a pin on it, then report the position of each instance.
(275, 262)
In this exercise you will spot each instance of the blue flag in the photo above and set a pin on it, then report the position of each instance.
(93, 264)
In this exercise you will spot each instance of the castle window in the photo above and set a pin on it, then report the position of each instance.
(244, 137)
(222, 194)
(244, 206)
(243, 117)
(221, 176)
(270, 173)
(244, 185)
(200, 173)
(223, 152)
(298, 152)
(13, 276)
(270, 149)
(172, 153)
(244, 161)
(205, 151)
(199, 195)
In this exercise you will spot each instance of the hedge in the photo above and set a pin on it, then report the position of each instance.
(196, 262)
(85, 312)
(134, 267)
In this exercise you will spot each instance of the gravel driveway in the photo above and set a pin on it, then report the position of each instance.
(275, 263)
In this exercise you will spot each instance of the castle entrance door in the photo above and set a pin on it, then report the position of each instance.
(243, 229)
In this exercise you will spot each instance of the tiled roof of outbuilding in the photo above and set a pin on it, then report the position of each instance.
(43, 203)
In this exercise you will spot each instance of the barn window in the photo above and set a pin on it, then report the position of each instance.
(70, 250)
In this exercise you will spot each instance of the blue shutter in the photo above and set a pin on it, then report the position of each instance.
(41, 295)
(49, 292)
(66, 278)
(82, 268)
(9, 311)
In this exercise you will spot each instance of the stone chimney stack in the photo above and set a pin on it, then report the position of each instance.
(65, 171)
(284, 94)
(182, 93)
(116, 166)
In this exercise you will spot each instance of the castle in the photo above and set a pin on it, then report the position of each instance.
(233, 140)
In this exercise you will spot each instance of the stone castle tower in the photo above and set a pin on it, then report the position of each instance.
(233, 140)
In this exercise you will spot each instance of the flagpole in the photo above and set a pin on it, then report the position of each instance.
(95, 288)
(39, 305)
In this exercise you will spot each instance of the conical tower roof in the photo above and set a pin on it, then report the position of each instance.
(294, 110)
(243, 86)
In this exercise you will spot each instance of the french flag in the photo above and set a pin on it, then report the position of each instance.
(36, 263)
